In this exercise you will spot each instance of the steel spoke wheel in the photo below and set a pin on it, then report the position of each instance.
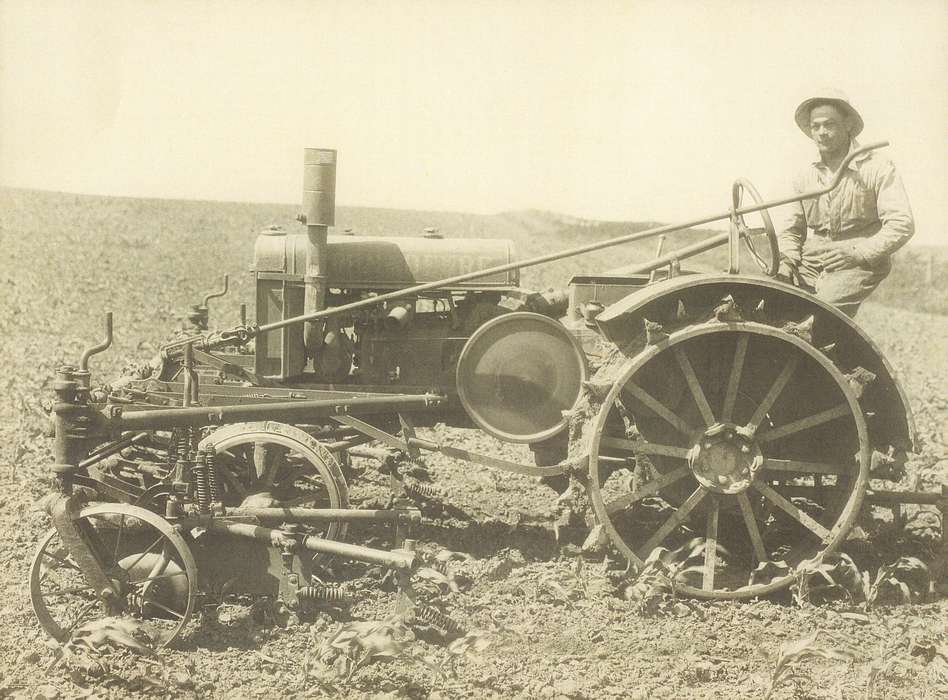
(737, 441)
(277, 465)
(150, 567)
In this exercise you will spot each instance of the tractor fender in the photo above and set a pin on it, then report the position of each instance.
(677, 302)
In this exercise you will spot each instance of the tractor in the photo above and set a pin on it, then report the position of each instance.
(733, 407)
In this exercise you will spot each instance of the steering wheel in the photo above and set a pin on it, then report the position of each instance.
(767, 259)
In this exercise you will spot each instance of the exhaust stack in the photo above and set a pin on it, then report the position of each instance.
(319, 213)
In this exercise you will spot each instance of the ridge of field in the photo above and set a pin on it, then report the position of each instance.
(918, 280)
(131, 223)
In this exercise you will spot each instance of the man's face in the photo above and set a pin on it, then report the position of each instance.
(829, 128)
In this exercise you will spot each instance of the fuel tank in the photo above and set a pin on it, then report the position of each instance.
(383, 263)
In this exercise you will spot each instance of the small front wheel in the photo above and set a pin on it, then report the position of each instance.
(153, 575)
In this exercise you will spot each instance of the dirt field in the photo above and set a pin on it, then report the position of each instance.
(545, 621)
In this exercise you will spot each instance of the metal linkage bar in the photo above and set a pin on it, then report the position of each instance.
(305, 515)
(130, 418)
(111, 449)
(663, 260)
(453, 452)
(915, 497)
(896, 499)
(227, 394)
(396, 559)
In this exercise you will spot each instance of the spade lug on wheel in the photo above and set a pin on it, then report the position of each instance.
(803, 329)
(681, 313)
(728, 310)
(654, 332)
(859, 379)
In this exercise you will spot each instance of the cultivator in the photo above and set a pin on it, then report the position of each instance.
(736, 408)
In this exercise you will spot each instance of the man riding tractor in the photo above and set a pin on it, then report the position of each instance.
(839, 245)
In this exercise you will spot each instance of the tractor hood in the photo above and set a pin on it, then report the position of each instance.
(383, 263)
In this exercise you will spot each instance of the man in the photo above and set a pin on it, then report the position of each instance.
(855, 228)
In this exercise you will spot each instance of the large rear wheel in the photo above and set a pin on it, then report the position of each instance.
(738, 434)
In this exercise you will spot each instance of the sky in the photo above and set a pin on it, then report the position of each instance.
(632, 110)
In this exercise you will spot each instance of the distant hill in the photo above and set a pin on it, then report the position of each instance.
(919, 280)
(231, 228)
(32, 221)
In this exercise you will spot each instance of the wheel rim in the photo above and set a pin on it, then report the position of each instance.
(279, 463)
(148, 562)
(745, 432)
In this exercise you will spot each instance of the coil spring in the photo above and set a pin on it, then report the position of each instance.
(322, 593)
(173, 448)
(435, 618)
(417, 490)
(442, 567)
(201, 491)
(210, 462)
(181, 444)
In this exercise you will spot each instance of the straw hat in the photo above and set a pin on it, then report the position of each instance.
(834, 97)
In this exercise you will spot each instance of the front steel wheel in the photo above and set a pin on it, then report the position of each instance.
(149, 564)
(734, 439)
(272, 464)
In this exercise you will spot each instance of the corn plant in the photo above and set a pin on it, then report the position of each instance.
(436, 576)
(467, 647)
(575, 585)
(655, 586)
(837, 573)
(788, 666)
(896, 577)
(917, 653)
(101, 637)
(116, 651)
(830, 574)
(550, 586)
(881, 666)
(356, 645)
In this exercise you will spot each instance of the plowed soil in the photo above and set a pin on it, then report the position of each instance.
(556, 623)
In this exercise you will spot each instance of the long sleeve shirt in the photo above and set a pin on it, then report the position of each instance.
(869, 209)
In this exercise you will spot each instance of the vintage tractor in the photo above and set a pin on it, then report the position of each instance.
(735, 408)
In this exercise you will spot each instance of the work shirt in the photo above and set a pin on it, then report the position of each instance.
(869, 208)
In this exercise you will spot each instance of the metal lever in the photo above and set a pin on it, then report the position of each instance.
(658, 253)
(215, 295)
(836, 178)
(96, 349)
(190, 395)
(198, 315)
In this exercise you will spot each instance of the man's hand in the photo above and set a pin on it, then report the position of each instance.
(835, 258)
(786, 272)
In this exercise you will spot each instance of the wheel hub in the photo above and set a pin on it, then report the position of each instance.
(725, 460)
(150, 579)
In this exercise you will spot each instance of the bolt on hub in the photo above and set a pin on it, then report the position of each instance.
(725, 459)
